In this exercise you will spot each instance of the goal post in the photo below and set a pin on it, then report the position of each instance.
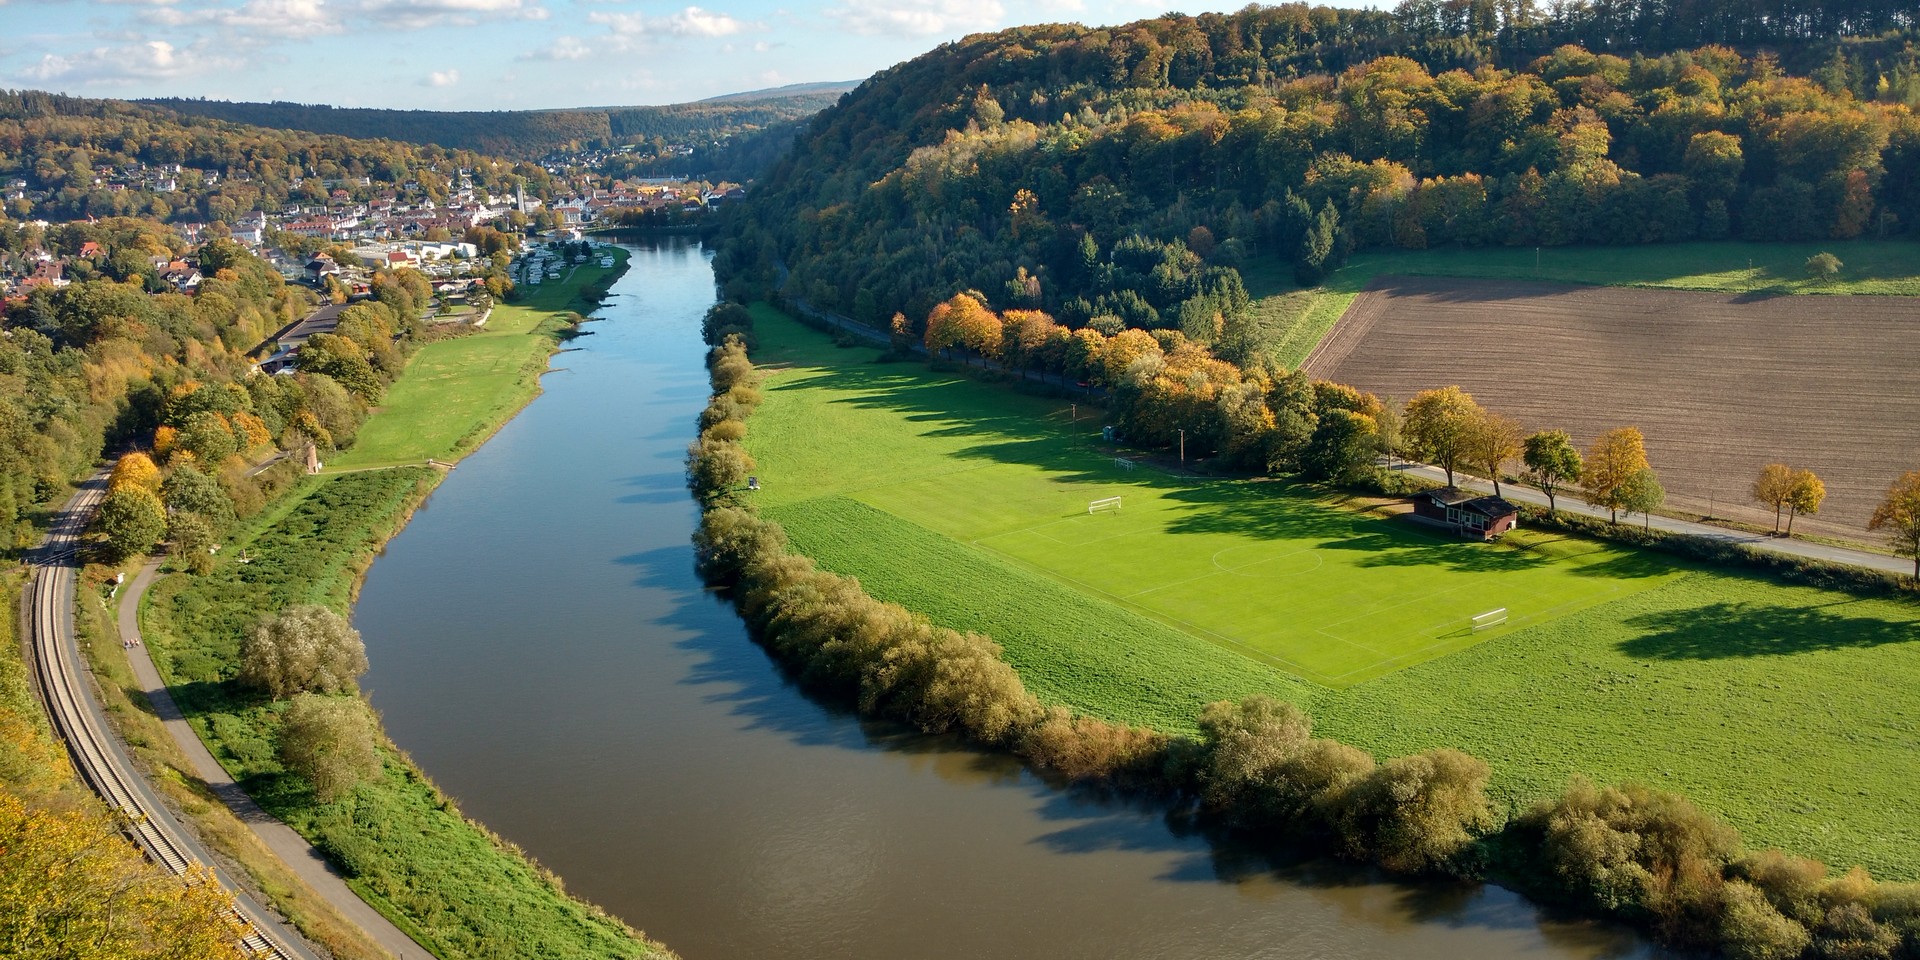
(1492, 618)
(1123, 463)
(1110, 503)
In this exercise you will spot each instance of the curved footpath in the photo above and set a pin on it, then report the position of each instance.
(1570, 502)
(99, 756)
(309, 864)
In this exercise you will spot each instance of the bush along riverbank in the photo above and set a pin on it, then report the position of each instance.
(1626, 852)
(308, 749)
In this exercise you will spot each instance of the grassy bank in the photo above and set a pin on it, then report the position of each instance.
(1296, 319)
(1781, 708)
(450, 883)
(458, 391)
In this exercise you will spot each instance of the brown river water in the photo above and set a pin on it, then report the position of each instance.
(542, 647)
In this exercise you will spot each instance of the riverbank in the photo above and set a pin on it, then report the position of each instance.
(406, 847)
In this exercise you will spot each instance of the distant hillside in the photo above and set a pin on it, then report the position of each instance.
(531, 133)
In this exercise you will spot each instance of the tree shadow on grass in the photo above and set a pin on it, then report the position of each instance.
(1727, 630)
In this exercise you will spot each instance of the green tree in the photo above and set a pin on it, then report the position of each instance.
(1552, 462)
(1899, 515)
(130, 521)
(329, 742)
(187, 490)
(209, 437)
(1440, 424)
(305, 649)
(1642, 494)
(1613, 461)
(1342, 445)
(1823, 266)
(1319, 246)
(344, 361)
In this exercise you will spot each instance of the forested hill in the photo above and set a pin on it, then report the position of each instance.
(532, 133)
(1120, 175)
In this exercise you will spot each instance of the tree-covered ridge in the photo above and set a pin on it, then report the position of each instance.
(523, 133)
(1128, 171)
(66, 158)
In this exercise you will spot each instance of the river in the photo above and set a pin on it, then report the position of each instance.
(542, 648)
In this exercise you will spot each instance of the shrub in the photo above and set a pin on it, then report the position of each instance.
(1751, 928)
(1415, 814)
(1087, 748)
(716, 468)
(329, 742)
(1637, 851)
(306, 649)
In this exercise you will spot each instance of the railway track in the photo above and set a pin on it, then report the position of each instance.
(60, 686)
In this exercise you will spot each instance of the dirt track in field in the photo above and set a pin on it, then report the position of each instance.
(1720, 384)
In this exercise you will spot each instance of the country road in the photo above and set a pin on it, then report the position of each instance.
(61, 680)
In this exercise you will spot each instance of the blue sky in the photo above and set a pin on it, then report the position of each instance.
(493, 54)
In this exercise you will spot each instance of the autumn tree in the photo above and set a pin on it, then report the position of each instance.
(962, 321)
(1609, 467)
(1552, 462)
(1495, 441)
(1441, 424)
(1899, 515)
(1804, 495)
(135, 469)
(329, 742)
(305, 649)
(1774, 487)
(70, 886)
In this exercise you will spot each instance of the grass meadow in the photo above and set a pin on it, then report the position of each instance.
(1787, 710)
(457, 391)
(1295, 320)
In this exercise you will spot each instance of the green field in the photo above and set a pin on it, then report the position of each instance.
(456, 392)
(1789, 711)
(1296, 319)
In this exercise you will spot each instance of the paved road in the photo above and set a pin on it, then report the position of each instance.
(99, 755)
(290, 847)
(1571, 503)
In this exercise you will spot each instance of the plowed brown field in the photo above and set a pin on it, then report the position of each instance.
(1721, 385)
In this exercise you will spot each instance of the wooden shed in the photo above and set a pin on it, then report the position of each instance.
(1469, 514)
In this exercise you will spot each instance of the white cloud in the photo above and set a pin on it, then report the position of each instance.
(442, 78)
(424, 14)
(256, 19)
(695, 22)
(152, 60)
(565, 48)
(690, 22)
(917, 18)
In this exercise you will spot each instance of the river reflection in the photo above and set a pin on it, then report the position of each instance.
(542, 648)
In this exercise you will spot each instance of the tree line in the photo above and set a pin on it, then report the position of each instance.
(1135, 171)
(1642, 855)
(58, 144)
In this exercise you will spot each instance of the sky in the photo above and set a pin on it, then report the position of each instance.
(496, 54)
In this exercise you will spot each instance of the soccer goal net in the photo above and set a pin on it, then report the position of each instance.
(1492, 618)
(1123, 463)
(1110, 503)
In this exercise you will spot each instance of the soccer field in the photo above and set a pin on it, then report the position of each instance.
(1326, 594)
